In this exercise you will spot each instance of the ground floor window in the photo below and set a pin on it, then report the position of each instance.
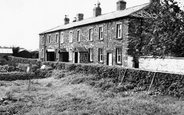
(100, 55)
(119, 55)
(90, 54)
(42, 53)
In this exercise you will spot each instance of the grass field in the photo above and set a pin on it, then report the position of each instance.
(68, 93)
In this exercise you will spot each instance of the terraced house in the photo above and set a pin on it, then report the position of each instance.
(101, 39)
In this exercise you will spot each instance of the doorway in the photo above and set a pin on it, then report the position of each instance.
(135, 62)
(109, 59)
(50, 56)
(64, 57)
(76, 57)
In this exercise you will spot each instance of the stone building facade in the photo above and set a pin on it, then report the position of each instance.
(102, 39)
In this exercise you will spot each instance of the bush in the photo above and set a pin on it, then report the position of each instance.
(3, 61)
(42, 73)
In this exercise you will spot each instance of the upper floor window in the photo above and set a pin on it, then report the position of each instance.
(71, 37)
(90, 34)
(42, 40)
(57, 38)
(78, 35)
(100, 55)
(119, 55)
(62, 37)
(101, 33)
(49, 39)
(119, 30)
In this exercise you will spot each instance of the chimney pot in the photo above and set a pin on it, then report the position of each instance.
(79, 17)
(121, 5)
(97, 10)
(66, 20)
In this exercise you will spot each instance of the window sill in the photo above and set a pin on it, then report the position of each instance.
(101, 62)
(101, 39)
(119, 38)
(118, 63)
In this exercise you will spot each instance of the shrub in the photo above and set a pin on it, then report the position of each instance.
(3, 61)
(42, 73)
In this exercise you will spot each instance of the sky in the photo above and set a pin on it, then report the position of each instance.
(21, 21)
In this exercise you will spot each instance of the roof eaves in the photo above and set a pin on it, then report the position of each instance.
(48, 30)
(101, 18)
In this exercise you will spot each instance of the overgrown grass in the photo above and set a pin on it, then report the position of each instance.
(70, 93)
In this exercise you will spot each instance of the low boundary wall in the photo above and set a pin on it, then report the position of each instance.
(173, 65)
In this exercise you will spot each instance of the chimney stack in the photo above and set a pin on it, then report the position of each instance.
(66, 20)
(121, 5)
(79, 17)
(97, 10)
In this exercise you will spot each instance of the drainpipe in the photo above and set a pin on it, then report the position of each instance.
(44, 47)
(59, 45)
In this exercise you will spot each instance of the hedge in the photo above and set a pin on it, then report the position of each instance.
(12, 76)
(166, 83)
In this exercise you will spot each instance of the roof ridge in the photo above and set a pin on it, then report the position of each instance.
(90, 18)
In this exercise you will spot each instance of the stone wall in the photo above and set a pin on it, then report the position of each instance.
(173, 65)
(108, 44)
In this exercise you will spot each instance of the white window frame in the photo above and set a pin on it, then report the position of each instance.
(91, 34)
(78, 35)
(70, 37)
(101, 54)
(118, 55)
(62, 37)
(70, 54)
(119, 30)
(42, 40)
(42, 53)
(49, 38)
(101, 33)
(57, 38)
(90, 54)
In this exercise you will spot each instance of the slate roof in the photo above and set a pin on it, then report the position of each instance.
(6, 51)
(103, 17)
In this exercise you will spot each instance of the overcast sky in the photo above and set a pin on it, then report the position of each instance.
(21, 21)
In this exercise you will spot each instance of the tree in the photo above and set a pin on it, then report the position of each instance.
(160, 35)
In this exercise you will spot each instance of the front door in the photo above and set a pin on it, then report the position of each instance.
(50, 56)
(109, 59)
(76, 57)
(64, 57)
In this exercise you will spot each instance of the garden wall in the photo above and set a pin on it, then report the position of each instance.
(166, 83)
(13, 60)
(173, 65)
